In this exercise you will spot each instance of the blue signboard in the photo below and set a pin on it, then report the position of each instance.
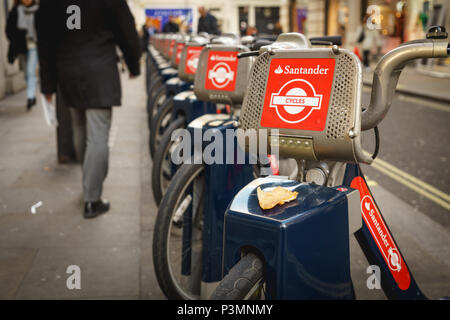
(159, 17)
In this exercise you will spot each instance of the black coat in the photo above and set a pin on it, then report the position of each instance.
(83, 62)
(208, 24)
(17, 38)
(171, 27)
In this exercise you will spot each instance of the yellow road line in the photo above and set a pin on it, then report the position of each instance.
(370, 182)
(419, 101)
(414, 180)
(411, 182)
(425, 103)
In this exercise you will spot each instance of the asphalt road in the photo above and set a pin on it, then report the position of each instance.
(414, 158)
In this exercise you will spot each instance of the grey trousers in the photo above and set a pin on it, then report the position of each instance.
(90, 133)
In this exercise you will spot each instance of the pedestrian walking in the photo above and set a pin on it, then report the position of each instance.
(78, 55)
(207, 22)
(369, 39)
(277, 29)
(171, 26)
(21, 33)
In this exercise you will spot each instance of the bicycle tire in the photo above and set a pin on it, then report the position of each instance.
(159, 94)
(162, 231)
(155, 78)
(160, 155)
(242, 280)
(156, 125)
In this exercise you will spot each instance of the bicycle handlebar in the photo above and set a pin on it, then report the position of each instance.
(326, 40)
(388, 71)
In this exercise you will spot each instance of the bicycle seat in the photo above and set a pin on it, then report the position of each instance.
(222, 77)
(308, 99)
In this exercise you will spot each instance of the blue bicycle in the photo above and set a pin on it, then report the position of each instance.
(188, 236)
(309, 100)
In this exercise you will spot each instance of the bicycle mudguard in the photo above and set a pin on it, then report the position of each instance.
(304, 243)
(175, 85)
(188, 105)
(379, 245)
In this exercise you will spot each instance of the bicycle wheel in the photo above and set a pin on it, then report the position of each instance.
(245, 281)
(162, 164)
(158, 98)
(177, 239)
(153, 79)
(159, 124)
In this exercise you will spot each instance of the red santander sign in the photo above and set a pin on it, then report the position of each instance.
(221, 70)
(297, 94)
(381, 235)
(171, 46)
(178, 50)
(192, 56)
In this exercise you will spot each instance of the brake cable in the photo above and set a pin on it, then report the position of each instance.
(377, 139)
(377, 142)
(247, 54)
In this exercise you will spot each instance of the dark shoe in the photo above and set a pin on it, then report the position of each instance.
(30, 103)
(93, 209)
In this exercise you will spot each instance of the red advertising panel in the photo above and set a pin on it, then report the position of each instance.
(192, 56)
(298, 92)
(221, 70)
(172, 44)
(381, 235)
(180, 47)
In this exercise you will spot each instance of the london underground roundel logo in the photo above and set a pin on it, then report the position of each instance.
(221, 70)
(180, 47)
(297, 93)
(192, 56)
(295, 101)
(221, 75)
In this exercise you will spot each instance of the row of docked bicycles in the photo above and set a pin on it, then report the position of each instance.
(236, 122)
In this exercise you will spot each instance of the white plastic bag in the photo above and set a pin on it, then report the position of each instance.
(49, 112)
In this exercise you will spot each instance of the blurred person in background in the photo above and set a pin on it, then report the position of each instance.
(369, 39)
(207, 22)
(145, 38)
(21, 33)
(171, 26)
(252, 31)
(277, 29)
(78, 56)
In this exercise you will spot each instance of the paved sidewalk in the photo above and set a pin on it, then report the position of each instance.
(418, 82)
(113, 251)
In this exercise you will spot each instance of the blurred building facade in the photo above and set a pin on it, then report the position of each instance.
(11, 77)
(399, 21)
(234, 16)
